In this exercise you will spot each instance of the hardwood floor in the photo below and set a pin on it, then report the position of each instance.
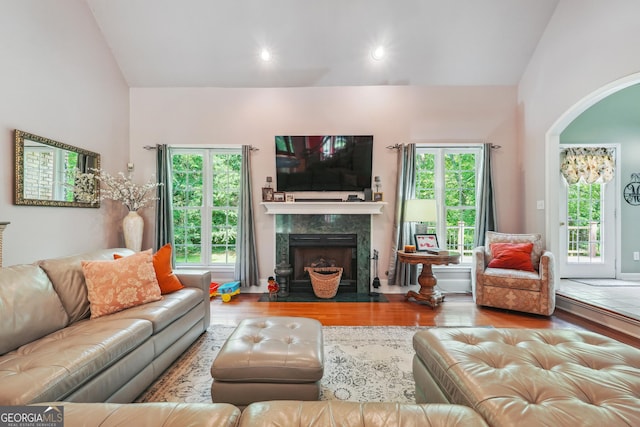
(456, 310)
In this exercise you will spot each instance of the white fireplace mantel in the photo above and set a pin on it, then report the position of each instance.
(324, 208)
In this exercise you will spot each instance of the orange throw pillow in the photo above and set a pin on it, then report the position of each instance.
(513, 256)
(113, 286)
(168, 281)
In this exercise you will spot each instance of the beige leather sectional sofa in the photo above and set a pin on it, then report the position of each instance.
(50, 350)
(272, 413)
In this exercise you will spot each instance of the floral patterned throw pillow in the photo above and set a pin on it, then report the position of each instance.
(113, 286)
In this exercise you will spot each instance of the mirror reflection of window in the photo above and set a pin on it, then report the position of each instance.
(50, 173)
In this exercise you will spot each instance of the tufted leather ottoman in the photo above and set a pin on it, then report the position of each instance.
(530, 377)
(270, 358)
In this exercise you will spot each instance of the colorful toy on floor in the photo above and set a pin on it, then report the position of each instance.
(228, 290)
(213, 289)
(273, 288)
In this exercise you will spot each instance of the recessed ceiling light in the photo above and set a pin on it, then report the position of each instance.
(377, 53)
(265, 55)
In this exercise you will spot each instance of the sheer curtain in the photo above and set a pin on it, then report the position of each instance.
(246, 268)
(486, 204)
(164, 213)
(405, 189)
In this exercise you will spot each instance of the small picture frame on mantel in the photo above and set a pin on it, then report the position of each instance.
(289, 198)
(377, 197)
(278, 196)
(267, 194)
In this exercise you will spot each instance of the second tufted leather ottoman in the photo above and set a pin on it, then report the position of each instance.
(269, 358)
(530, 377)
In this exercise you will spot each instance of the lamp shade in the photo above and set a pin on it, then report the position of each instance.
(420, 210)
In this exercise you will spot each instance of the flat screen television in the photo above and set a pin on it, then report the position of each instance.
(324, 163)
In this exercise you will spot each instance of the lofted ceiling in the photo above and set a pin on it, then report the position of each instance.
(217, 43)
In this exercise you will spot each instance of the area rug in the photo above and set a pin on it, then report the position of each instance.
(362, 364)
(340, 297)
(607, 282)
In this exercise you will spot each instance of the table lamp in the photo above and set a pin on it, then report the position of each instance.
(419, 210)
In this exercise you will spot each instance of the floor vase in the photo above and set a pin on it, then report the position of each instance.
(132, 226)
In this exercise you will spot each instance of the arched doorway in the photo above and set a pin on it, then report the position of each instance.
(553, 181)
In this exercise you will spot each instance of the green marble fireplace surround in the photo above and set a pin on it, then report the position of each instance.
(360, 225)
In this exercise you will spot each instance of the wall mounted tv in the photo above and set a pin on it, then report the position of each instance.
(324, 163)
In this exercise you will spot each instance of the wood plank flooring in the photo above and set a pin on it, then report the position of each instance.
(456, 310)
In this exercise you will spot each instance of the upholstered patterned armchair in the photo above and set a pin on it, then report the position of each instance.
(530, 289)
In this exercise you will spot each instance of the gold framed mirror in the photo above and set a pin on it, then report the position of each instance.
(51, 173)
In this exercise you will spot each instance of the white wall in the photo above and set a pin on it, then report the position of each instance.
(58, 80)
(587, 45)
(393, 114)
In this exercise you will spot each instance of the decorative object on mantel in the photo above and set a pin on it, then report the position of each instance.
(267, 191)
(278, 196)
(377, 196)
(134, 197)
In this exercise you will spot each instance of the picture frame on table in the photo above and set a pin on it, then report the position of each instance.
(267, 194)
(426, 242)
(278, 196)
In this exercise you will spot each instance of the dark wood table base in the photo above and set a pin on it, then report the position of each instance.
(428, 293)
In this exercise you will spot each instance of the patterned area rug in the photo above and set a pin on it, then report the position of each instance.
(362, 364)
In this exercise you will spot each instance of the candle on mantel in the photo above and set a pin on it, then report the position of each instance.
(409, 248)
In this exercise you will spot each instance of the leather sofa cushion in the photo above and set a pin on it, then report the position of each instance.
(53, 366)
(29, 306)
(162, 313)
(153, 414)
(348, 414)
(550, 377)
(67, 278)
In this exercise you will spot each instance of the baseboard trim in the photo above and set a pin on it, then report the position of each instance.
(609, 319)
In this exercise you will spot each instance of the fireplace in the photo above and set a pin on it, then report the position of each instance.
(323, 250)
(355, 252)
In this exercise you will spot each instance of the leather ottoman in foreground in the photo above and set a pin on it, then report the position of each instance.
(530, 377)
(269, 358)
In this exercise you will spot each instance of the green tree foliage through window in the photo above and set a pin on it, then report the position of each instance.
(206, 188)
(449, 176)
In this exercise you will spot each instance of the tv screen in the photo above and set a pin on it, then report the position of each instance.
(324, 163)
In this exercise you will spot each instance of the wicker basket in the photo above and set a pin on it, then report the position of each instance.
(325, 280)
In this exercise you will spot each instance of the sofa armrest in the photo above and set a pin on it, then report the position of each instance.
(198, 279)
(477, 268)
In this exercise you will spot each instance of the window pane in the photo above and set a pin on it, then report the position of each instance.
(456, 196)
(187, 202)
(206, 187)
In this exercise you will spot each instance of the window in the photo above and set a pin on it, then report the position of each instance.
(449, 175)
(206, 189)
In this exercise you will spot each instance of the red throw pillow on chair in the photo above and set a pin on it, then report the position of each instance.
(513, 256)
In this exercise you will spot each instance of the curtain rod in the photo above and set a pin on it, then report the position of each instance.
(155, 147)
(398, 146)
